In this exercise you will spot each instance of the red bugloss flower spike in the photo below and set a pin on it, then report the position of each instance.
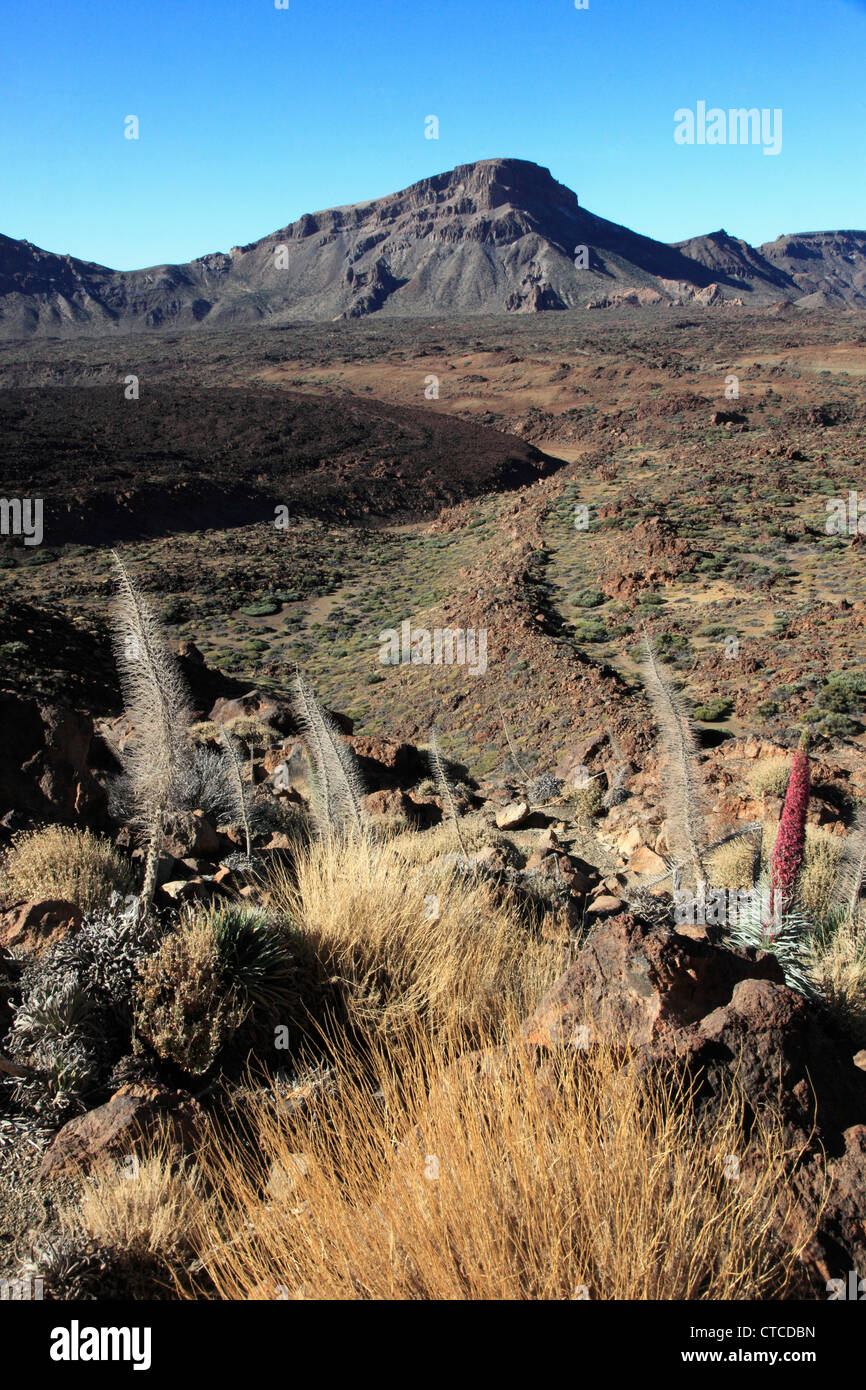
(790, 847)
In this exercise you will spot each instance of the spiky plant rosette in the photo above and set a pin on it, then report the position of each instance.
(75, 1014)
(259, 956)
(789, 852)
(786, 934)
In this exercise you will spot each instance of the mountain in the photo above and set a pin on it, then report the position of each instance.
(499, 235)
(823, 263)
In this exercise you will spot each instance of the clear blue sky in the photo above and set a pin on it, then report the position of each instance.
(251, 116)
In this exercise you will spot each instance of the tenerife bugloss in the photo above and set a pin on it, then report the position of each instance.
(790, 848)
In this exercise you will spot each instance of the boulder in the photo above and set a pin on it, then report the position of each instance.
(725, 1018)
(604, 903)
(133, 1115)
(646, 861)
(511, 816)
(190, 835)
(390, 802)
(33, 928)
(270, 710)
(386, 762)
(43, 763)
(642, 983)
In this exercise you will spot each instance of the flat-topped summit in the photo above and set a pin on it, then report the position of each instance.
(494, 236)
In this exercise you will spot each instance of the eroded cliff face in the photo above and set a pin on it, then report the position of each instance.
(495, 236)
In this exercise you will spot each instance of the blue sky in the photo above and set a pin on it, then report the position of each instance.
(250, 115)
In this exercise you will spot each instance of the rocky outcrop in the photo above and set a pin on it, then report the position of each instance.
(43, 763)
(726, 1019)
(34, 927)
(112, 1131)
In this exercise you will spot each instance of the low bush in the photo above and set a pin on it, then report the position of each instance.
(711, 711)
(184, 1009)
(76, 866)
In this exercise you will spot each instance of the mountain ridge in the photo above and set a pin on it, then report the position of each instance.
(495, 236)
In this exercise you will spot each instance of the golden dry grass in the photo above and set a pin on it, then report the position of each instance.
(58, 862)
(816, 891)
(401, 944)
(146, 1206)
(770, 776)
(429, 1180)
(421, 847)
(838, 967)
(730, 866)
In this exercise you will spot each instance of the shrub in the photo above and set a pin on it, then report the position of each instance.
(713, 710)
(831, 726)
(204, 731)
(588, 598)
(766, 709)
(75, 1015)
(732, 864)
(587, 801)
(55, 1032)
(59, 862)
(183, 1008)
(174, 611)
(266, 961)
(770, 776)
(590, 630)
(264, 608)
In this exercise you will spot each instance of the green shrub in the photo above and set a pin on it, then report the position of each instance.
(713, 710)
(174, 611)
(590, 630)
(588, 598)
(672, 646)
(263, 608)
(260, 958)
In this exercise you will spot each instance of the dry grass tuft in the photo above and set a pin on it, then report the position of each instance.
(76, 866)
(423, 846)
(838, 967)
(581, 1179)
(770, 776)
(731, 865)
(400, 945)
(148, 1206)
(817, 888)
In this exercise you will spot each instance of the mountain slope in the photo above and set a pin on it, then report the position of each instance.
(486, 238)
(832, 263)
